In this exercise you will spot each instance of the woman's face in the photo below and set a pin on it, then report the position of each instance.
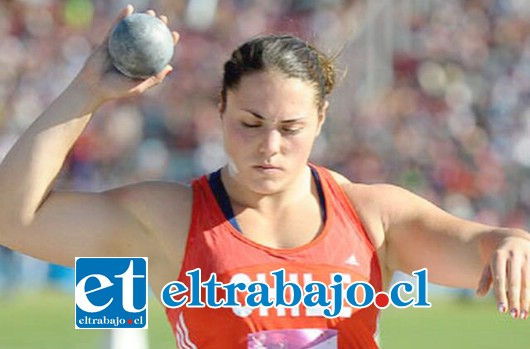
(269, 125)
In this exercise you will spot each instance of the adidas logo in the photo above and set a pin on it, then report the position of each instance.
(352, 260)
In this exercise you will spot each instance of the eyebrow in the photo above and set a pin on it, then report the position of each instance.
(259, 116)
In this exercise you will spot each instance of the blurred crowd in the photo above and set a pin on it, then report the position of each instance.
(452, 124)
(455, 124)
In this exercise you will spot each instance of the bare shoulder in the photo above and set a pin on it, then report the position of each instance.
(371, 202)
(168, 192)
(162, 208)
(164, 211)
(364, 195)
(387, 205)
(381, 197)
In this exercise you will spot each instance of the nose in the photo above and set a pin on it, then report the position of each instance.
(271, 143)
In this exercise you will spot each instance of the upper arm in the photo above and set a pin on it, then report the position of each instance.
(420, 235)
(411, 233)
(119, 222)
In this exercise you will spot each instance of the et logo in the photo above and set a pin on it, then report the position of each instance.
(111, 292)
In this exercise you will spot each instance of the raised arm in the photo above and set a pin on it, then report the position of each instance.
(55, 226)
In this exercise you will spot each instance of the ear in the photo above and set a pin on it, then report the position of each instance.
(322, 116)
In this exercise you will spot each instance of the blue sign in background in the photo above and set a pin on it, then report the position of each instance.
(126, 279)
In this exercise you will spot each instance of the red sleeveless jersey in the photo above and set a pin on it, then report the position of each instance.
(215, 246)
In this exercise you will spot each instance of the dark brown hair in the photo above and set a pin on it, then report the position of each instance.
(286, 54)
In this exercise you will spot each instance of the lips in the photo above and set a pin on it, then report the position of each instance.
(266, 167)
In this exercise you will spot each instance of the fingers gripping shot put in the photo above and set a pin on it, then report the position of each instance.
(268, 220)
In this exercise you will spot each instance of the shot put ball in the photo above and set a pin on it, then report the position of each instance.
(140, 46)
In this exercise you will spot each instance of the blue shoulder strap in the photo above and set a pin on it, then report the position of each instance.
(221, 196)
(320, 191)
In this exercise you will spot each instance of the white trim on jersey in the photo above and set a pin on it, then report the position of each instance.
(183, 337)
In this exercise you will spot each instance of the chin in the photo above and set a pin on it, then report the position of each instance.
(264, 185)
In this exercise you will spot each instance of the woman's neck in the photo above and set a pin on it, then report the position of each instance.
(242, 196)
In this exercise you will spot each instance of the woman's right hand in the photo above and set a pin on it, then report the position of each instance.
(104, 82)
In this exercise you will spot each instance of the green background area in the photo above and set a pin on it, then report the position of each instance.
(46, 320)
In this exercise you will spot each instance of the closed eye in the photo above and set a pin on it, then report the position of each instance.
(291, 130)
(245, 124)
